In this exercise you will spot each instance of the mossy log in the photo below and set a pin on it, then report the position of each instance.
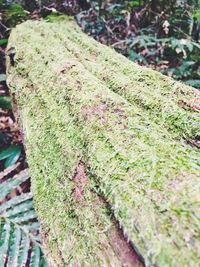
(113, 151)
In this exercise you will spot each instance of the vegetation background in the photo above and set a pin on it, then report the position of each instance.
(164, 35)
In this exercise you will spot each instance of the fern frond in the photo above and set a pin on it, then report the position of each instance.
(19, 229)
(12, 183)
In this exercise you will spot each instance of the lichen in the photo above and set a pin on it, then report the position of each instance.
(80, 100)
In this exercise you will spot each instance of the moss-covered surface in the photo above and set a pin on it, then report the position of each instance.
(80, 101)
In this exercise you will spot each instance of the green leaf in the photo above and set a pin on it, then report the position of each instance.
(21, 208)
(14, 248)
(13, 158)
(3, 41)
(43, 262)
(134, 56)
(19, 239)
(23, 217)
(197, 13)
(24, 248)
(35, 226)
(5, 102)
(196, 44)
(6, 231)
(14, 14)
(14, 201)
(8, 152)
(194, 83)
(2, 77)
(190, 47)
(11, 154)
(35, 257)
(6, 186)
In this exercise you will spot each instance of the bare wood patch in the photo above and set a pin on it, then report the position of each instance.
(122, 248)
(80, 180)
(194, 142)
(66, 67)
(98, 110)
(191, 101)
(119, 241)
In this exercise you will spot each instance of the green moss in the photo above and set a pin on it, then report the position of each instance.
(57, 17)
(81, 100)
(73, 230)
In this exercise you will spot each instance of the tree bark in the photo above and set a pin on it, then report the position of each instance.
(107, 141)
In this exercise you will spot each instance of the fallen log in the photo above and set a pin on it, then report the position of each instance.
(109, 149)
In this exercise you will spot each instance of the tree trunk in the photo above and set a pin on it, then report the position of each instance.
(107, 141)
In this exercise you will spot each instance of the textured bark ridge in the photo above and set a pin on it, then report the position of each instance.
(97, 126)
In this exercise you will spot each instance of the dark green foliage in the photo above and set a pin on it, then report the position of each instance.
(5, 102)
(10, 155)
(13, 13)
(176, 57)
(3, 41)
(19, 239)
(163, 34)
